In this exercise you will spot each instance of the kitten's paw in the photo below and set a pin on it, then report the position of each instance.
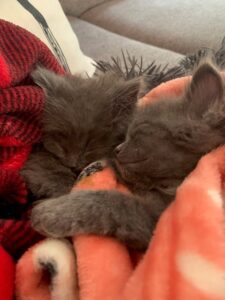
(65, 216)
(92, 168)
(47, 218)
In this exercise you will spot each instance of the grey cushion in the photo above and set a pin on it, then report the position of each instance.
(182, 26)
(77, 7)
(101, 45)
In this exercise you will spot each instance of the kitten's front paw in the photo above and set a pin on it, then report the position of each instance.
(92, 168)
(65, 216)
(47, 218)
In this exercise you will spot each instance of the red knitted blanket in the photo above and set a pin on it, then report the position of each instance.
(21, 106)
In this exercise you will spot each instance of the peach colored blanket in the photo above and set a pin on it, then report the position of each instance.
(185, 259)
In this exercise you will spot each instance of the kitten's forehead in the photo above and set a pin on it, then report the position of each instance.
(161, 112)
(79, 104)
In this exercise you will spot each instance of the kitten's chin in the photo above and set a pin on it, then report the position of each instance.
(131, 180)
(122, 173)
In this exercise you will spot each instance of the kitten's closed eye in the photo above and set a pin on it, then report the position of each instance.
(55, 148)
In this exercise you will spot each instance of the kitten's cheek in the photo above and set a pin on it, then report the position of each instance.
(125, 172)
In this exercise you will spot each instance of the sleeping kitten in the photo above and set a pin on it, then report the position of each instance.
(163, 145)
(83, 121)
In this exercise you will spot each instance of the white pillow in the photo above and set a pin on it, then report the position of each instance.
(47, 21)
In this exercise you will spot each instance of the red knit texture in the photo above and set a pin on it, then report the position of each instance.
(21, 107)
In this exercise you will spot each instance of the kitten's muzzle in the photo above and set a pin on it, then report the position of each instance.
(126, 154)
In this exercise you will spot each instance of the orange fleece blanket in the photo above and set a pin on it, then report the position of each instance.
(185, 258)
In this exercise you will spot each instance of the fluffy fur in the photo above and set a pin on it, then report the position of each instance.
(84, 119)
(164, 143)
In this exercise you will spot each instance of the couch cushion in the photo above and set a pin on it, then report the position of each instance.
(182, 26)
(101, 45)
(77, 7)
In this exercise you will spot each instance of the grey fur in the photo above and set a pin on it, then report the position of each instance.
(164, 143)
(84, 119)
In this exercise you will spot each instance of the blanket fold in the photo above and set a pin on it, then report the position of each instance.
(50, 270)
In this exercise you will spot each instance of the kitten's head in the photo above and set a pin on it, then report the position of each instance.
(77, 121)
(167, 138)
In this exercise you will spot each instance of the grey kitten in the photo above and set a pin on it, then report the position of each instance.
(163, 145)
(83, 121)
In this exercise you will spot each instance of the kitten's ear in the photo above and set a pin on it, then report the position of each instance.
(205, 88)
(47, 79)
